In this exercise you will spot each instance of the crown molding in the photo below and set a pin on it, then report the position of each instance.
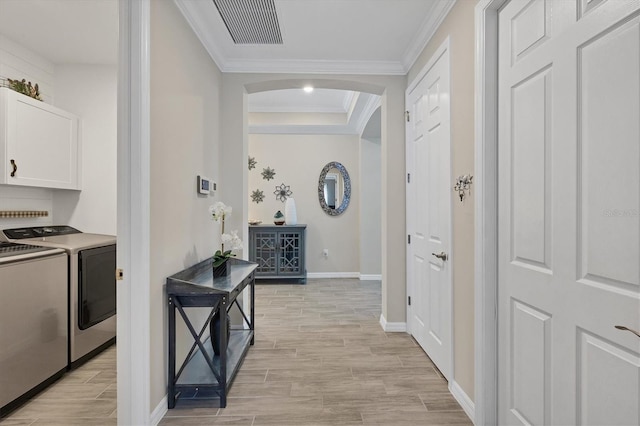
(194, 12)
(429, 27)
(349, 101)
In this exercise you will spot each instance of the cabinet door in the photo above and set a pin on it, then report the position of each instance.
(290, 253)
(42, 141)
(264, 246)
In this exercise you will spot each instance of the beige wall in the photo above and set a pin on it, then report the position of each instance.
(459, 25)
(370, 205)
(185, 101)
(298, 161)
(234, 149)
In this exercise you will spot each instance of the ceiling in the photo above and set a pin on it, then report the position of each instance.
(64, 31)
(323, 111)
(318, 36)
(325, 36)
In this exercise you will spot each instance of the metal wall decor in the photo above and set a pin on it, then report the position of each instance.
(268, 173)
(257, 196)
(346, 193)
(463, 186)
(252, 163)
(282, 192)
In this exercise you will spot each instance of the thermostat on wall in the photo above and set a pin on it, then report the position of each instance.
(205, 185)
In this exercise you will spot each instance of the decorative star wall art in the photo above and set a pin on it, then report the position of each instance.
(282, 192)
(257, 196)
(268, 173)
(252, 163)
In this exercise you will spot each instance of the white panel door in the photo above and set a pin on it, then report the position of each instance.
(429, 213)
(569, 212)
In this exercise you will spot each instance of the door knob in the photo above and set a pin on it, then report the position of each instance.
(442, 255)
(622, 327)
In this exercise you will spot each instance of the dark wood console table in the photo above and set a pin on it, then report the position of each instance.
(204, 375)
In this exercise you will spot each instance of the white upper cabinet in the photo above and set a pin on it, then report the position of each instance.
(39, 143)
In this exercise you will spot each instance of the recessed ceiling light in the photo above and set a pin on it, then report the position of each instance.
(308, 89)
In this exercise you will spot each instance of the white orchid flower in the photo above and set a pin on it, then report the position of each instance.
(219, 211)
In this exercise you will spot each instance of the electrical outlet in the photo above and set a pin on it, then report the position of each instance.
(325, 252)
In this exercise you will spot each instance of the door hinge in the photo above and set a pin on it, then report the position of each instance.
(119, 274)
(408, 177)
(408, 239)
(407, 114)
(409, 300)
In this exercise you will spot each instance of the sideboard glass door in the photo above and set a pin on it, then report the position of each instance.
(265, 252)
(289, 244)
(279, 251)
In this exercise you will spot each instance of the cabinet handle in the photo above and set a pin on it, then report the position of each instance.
(15, 168)
(622, 327)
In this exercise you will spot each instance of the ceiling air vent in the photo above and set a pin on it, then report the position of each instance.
(250, 21)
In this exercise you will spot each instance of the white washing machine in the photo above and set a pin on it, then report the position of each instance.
(92, 284)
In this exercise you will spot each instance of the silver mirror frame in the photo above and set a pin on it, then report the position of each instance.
(347, 189)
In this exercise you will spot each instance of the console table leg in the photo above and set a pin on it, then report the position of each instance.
(223, 352)
(171, 397)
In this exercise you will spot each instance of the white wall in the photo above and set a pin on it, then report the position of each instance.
(370, 208)
(18, 62)
(90, 92)
(185, 110)
(298, 161)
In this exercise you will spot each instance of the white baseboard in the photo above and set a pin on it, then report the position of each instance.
(333, 274)
(158, 413)
(463, 399)
(393, 327)
(370, 277)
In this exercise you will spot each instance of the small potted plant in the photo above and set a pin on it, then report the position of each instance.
(219, 212)
(25, 88)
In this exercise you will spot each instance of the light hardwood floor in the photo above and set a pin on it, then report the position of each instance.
(320, 358)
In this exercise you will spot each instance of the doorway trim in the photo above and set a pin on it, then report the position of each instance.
(486, 212)
(133, 330)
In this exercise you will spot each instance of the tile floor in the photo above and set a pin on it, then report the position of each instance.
(85, 396)
(320, 358)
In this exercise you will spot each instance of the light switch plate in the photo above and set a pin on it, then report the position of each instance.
(204, 185)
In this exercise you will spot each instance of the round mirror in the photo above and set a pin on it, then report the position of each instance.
(334, 188)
